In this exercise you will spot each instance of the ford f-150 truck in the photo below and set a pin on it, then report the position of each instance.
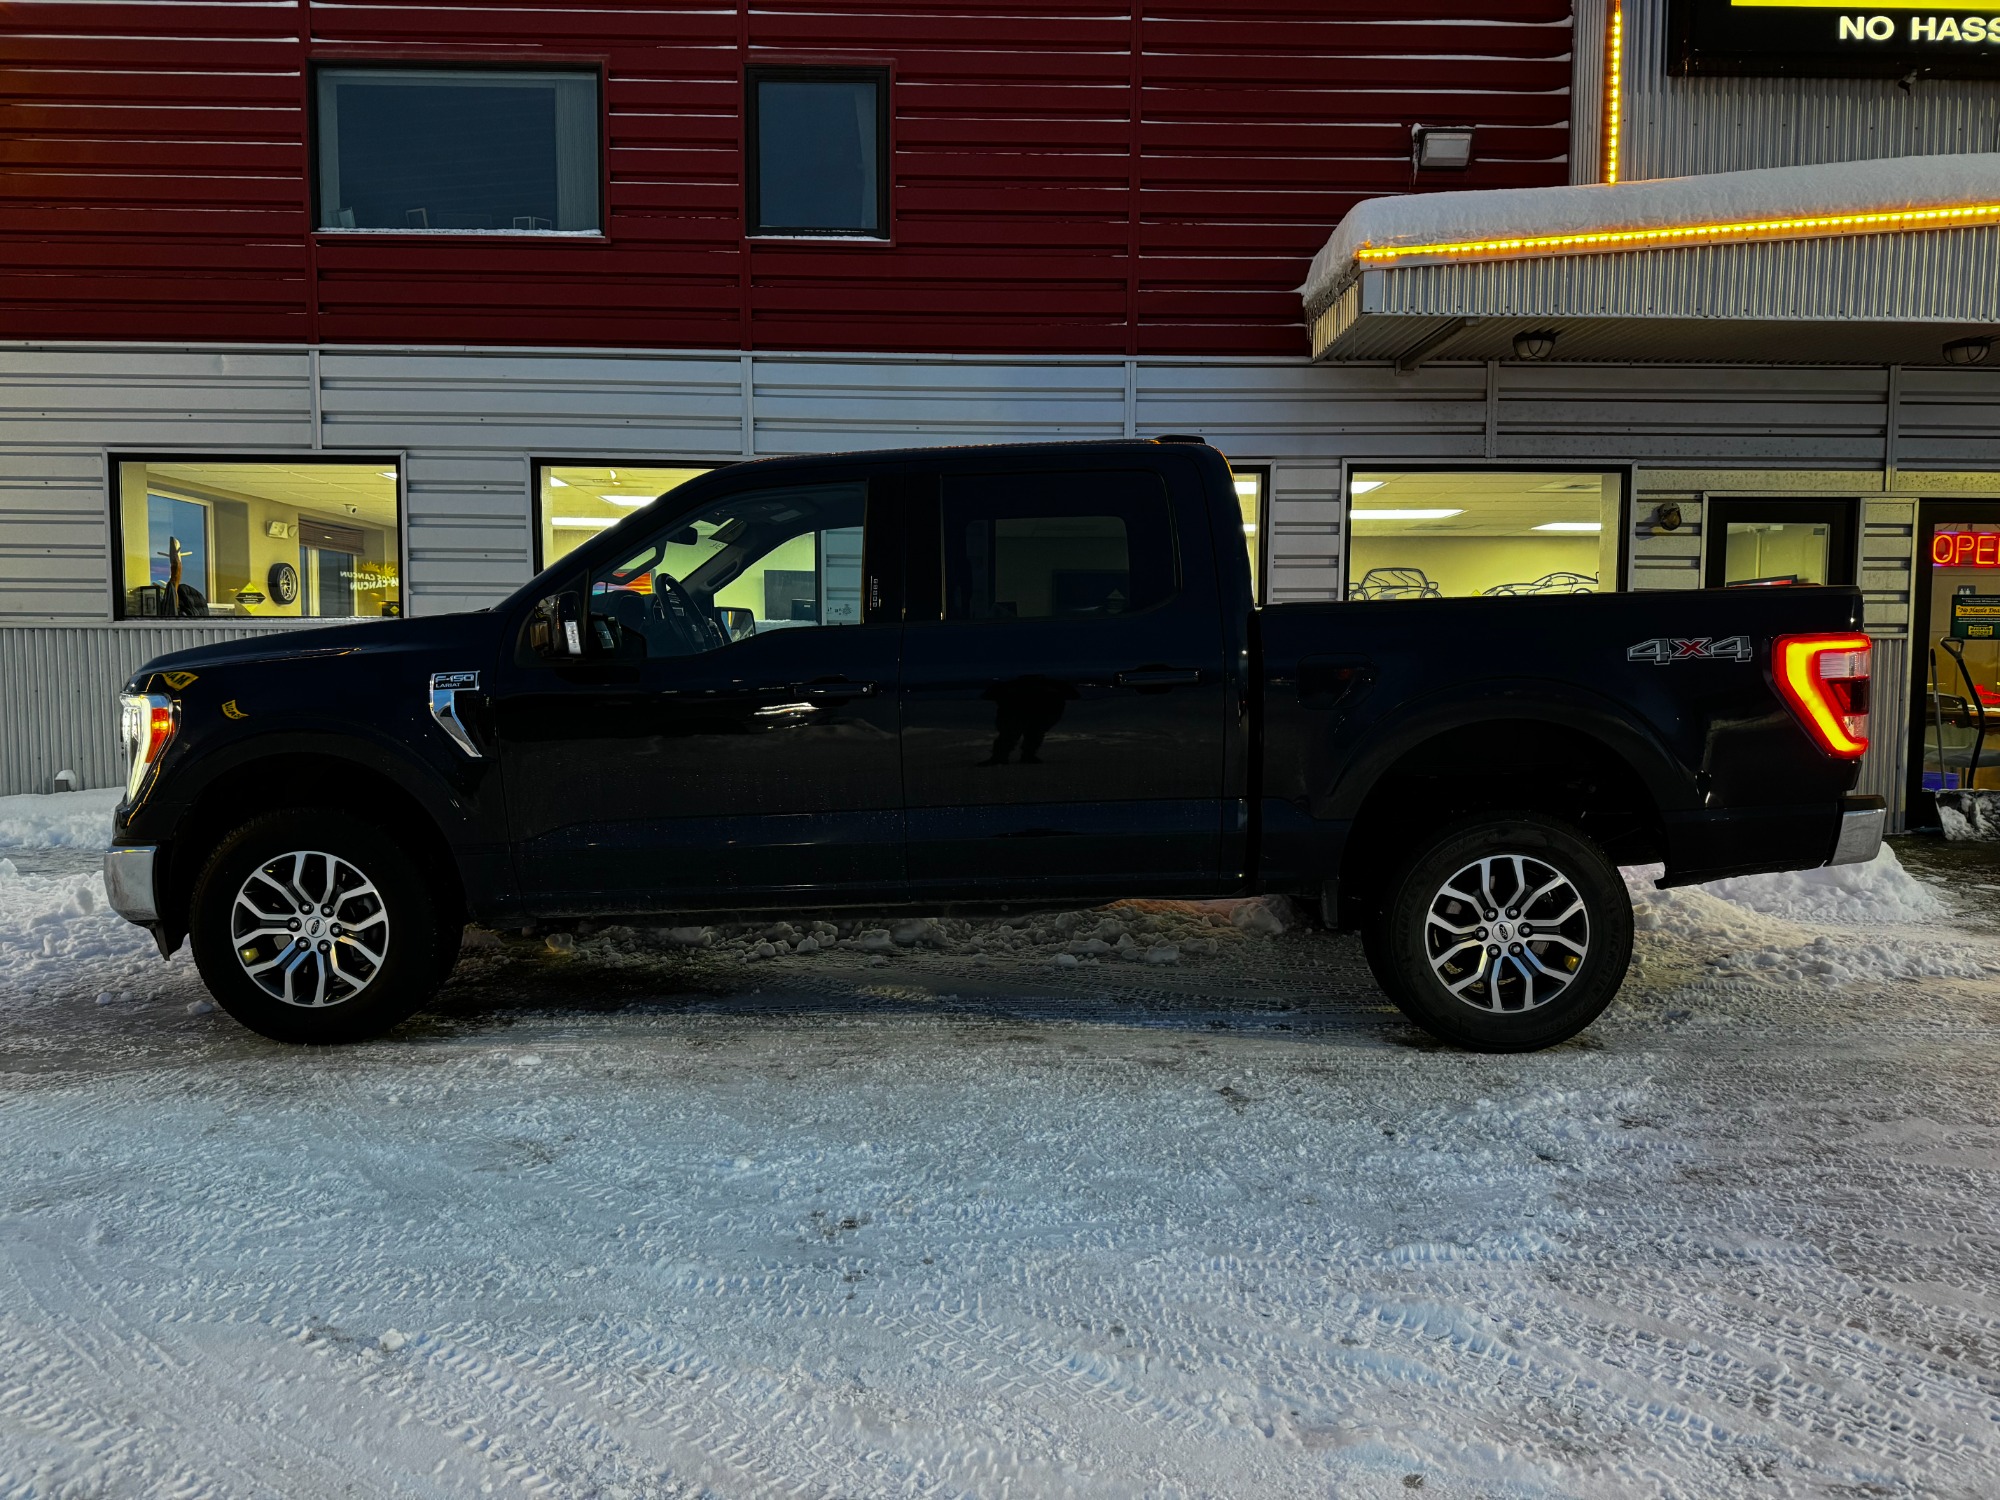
(980, 678)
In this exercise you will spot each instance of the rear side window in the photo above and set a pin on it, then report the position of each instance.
(1056, 546)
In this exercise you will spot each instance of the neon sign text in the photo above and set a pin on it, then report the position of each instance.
(1966, 549)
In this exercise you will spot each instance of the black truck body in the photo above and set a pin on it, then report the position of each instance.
(613, 743)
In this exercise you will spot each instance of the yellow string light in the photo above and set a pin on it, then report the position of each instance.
(1614, 88)
(1901, 218)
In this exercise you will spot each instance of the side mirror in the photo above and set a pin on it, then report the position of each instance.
(736, 622)
(555, 629)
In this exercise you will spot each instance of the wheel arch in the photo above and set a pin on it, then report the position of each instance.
(1589, 769)
(318, 774)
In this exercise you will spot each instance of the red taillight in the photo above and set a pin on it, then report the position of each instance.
(1825, 680)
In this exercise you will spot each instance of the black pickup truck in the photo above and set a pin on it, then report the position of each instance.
(980, 678)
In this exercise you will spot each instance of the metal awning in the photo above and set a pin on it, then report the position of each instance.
(1851, 263)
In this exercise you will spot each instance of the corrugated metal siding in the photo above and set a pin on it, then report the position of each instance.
(1145, 179)
(1676, 127)
(62, 690)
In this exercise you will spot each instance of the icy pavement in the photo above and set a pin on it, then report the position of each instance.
(639, 1220)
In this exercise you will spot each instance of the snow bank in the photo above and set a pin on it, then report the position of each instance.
(50, 925)
(1832, 926)
(62, 820)
(1717, 198)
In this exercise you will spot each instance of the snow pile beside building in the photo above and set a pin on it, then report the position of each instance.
(1820, 191)
(68, 820)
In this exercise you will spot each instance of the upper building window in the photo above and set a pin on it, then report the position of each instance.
(457, 150)
(291, 538)
(819, 152)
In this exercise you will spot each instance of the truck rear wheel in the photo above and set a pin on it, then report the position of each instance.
(1505, 932)
(313, 926)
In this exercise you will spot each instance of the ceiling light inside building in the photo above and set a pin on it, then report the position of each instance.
(1363, 486)
(1436, 149)
(1570, 526)
(1406, 515)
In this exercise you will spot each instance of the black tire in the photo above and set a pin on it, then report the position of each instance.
(1514, 995)
(373, 881)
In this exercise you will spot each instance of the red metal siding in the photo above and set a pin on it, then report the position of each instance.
(1141, 180)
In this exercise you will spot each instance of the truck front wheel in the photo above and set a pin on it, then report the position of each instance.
(1504, 932)
(313, 926)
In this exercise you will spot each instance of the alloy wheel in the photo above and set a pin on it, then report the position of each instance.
(1507, 933)
(310, 929)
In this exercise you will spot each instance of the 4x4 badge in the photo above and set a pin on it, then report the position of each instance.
(1665, 650)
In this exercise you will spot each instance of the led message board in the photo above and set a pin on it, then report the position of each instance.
(1829, 39)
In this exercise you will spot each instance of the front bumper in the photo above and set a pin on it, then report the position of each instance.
(128, 883)
(1862, 820)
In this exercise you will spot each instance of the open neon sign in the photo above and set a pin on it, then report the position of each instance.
(1966, 549)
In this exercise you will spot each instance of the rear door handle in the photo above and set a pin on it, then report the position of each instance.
(835, 691)
(1160, 677)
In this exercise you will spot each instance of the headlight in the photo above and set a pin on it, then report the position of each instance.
(151, 720)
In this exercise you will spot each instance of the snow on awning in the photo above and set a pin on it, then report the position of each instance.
(1904, 241)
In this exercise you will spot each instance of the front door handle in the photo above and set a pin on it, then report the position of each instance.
(837, 690)
(1160, 677)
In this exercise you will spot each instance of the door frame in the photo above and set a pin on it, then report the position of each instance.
(1920, 808)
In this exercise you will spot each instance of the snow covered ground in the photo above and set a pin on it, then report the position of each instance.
(955, 1218)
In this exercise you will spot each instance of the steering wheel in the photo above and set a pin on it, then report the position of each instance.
(692, 630)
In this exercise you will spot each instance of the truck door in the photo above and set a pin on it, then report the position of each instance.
(1063, 694)
(732, 737)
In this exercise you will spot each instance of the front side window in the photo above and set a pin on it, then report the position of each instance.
(747, 565)
(818, 152)
(457, 150)
(302, 540)
(575, 501)
(1071, 547)
(1453, 534)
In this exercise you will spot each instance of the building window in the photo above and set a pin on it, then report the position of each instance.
(819, 152)
(285, 539)
(1452, 534)
(458, 151)
(575, 501)
(1253, 498)
(1756, 543)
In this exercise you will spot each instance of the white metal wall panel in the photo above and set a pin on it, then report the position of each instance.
(1305, 521)
(1885, 767)
(1888, 542)
(1676, 127)
(1665, 559)
(803, 404)
(1277, 409)
(1949, 419)
(62, 684)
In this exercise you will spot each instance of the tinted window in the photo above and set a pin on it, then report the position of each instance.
(416, 149)
(1055, 546)
(819, 154)
(749, 564)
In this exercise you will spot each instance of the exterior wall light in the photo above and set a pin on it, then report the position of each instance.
(1537, 345)
(1437, 150)
(1968, 351)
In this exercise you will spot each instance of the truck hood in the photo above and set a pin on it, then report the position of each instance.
(441, 633)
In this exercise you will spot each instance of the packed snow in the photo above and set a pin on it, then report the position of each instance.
(66, 820)
(1819, 191)
(921, 1208)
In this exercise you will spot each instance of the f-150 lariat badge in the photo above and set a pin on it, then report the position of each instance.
(445, 688)
(1665, 650)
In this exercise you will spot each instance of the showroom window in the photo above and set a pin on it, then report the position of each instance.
(1457, 533)
(818, 152)
(575, 501)
(457, 151)
(296, 538)
(1253, 498)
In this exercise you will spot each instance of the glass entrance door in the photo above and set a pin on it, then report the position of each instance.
(1955, 707)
